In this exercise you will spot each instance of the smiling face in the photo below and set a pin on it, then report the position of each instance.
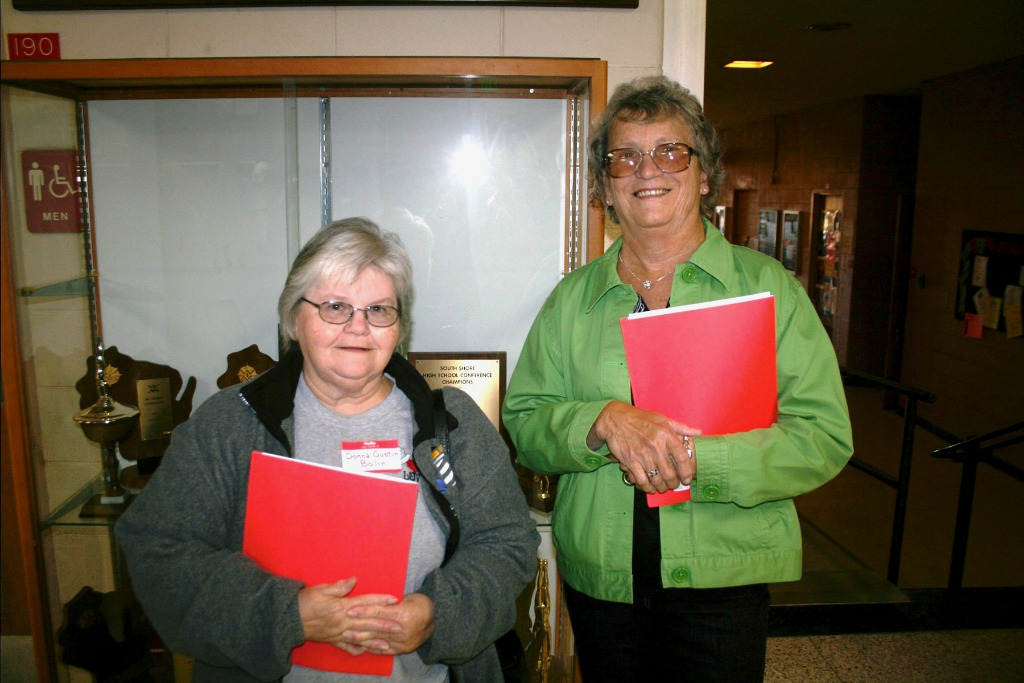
(651, 198)
(344, 364)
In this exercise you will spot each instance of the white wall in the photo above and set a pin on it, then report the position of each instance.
(660, 35)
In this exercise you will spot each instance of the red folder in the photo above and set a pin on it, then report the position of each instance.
(320, 524)
(710, 366)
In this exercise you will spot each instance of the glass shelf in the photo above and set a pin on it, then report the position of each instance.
(76, 287)
(68, 514)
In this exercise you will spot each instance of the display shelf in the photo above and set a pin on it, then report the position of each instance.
(68, 513)
(75, 287)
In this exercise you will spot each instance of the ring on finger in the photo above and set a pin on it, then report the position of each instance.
(652, 473)
(625, 478)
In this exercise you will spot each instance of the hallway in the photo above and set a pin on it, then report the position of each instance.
(844, 622)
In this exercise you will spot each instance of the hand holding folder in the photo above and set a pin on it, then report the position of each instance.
(711, 366)
(321, 524)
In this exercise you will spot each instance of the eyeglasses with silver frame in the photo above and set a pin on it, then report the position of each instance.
(339, 313)
(670, 157)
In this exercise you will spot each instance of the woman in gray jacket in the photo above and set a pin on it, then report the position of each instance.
(344, 311)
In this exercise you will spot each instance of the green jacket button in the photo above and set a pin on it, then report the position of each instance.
(711, 492)
(689, 274)
(681, 575)
(593, 461)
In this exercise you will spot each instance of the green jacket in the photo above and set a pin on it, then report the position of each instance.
(741, 526)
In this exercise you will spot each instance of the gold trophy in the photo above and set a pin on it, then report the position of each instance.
(538, 651)
(107, 422)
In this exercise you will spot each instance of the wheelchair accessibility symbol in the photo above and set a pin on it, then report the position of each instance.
(58, 185)
(51, 190)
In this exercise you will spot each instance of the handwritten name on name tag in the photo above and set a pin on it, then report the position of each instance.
(371, 456)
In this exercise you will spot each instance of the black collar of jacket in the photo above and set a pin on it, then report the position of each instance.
(272, 394)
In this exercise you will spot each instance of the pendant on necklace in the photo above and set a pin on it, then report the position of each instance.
(646, 284)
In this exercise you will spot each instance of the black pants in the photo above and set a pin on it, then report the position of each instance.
(716, 634)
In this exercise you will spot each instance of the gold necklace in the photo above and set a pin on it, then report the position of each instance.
(647, 284)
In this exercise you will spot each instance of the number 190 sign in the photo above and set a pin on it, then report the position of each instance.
(33, 46)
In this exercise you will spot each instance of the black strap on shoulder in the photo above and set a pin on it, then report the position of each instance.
(509, 647)
(441, 432)
(441, 420)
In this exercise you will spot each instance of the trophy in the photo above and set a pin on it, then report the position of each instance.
(107, 422)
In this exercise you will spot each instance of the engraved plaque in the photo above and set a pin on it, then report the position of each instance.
(482, 376)
(155, 403)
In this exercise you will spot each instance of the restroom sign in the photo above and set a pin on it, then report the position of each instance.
(51, 190)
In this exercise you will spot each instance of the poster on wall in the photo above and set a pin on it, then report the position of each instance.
(721, 214)
(828, 265)
(767, 231)
(790, 240)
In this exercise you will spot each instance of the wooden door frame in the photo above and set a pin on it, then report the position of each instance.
(26, 585)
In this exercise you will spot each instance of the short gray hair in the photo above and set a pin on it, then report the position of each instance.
(654, 97)
(347, 248)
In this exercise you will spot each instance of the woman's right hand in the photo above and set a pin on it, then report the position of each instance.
(642, 442)
(324, 611)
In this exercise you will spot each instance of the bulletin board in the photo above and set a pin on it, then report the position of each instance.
(990, 279)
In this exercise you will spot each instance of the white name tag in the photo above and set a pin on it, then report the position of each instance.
(371, 456)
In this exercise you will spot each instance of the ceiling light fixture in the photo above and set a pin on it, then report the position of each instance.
(741, 64)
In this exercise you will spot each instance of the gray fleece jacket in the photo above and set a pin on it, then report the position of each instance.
(182, 536)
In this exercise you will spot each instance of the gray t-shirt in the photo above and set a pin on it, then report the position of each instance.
(319, 432)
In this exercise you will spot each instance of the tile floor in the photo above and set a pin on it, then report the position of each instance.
(995, 656)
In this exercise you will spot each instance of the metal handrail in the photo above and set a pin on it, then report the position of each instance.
(971, 452)
(901, 482)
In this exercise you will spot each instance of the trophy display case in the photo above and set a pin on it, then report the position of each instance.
(157, 204)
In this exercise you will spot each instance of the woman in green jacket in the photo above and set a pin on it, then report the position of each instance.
(677, 592)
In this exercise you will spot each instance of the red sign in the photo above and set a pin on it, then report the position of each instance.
(50, 179)
(33, 46)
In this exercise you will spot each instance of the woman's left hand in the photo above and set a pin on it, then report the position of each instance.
(655, 453)
(393, 629)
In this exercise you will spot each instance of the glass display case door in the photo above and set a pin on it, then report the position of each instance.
(60, 269)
